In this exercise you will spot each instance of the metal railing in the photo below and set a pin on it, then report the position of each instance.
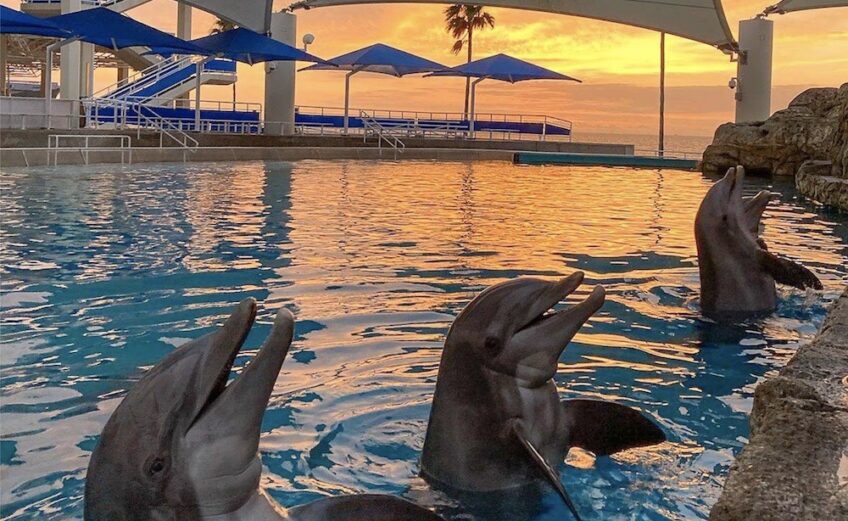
(375, 128)
(128, 115)
(156, 68)
(668, 154)
(450, 124)
(54, 146)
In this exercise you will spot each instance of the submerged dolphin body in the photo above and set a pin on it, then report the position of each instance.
(183, 445)
(737, 271)
(497, 421)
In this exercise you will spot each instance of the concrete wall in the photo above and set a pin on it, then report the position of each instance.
(27, 157)
(29, 113)
(38, 138)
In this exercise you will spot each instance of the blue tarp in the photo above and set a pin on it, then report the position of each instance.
(107, 28)
(250, 47)
(504, 68)
(382, 59)
(16, 22)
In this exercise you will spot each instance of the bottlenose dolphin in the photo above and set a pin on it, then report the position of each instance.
(737, 271)
(183, 444)
(497, 421)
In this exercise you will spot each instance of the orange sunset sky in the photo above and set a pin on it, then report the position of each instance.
(618, 64)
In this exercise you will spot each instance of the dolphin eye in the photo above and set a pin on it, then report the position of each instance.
(156, 466)
(492, 345)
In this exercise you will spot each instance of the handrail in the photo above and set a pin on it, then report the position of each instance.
(153, 76)
(374, 126)
(161, 124)
(132, 78)
(54, 139)
(171, 126)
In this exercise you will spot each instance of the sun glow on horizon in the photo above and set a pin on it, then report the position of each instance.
(618, 64)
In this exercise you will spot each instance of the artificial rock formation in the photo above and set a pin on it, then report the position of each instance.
(795, 466)
(813, 127)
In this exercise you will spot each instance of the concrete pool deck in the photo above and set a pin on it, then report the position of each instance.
(795, 466)
(29, 148)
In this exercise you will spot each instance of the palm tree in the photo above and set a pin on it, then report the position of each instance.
(218, 27)
(461, 21)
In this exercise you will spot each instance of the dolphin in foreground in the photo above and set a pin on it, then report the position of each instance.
(497, 422)
(184, 445)
(738, 273)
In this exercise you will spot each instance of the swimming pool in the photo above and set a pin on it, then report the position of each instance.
(107, 268)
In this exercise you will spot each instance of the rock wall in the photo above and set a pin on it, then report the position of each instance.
(795, 466)
(813, 127)
(813, 180)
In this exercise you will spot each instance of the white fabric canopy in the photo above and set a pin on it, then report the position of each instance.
(787, 6)
(251, 14)
(699, 20)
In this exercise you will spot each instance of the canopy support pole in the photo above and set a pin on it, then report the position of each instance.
(472, 106)
(661, 148)
(347, 100)
(48, 80)
(198, 74)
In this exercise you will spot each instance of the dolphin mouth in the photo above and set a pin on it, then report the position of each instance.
(246, 396)
(539, 342)
(542, 310)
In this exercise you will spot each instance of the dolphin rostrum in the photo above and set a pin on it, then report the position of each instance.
(497, 421)
(737, 271)
(184, 445)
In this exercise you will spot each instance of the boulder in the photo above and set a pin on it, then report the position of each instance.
(813, 127)
(795, 466)
(814, 180)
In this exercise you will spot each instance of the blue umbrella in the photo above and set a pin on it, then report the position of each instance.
(247, 46)
(379, 58)
(16, 22)
(112, 30)
(500, 67)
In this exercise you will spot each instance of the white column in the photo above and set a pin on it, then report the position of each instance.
(86, 70)
(280, 80)
(183, 21)
(753, 89)
(184, 32)
(70, 70)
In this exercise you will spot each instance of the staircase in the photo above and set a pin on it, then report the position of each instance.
(373, 128)
(162, 83)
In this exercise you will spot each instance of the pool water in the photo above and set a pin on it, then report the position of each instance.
(106, 268)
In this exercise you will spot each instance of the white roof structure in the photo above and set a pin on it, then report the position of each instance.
(699, 20)
(787, 6)
(252, 14)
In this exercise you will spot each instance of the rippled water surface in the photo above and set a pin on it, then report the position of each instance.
(105, 269)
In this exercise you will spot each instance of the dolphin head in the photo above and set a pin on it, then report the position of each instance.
(512, 329)
(730, 252)
(728, 223)
(183, 444)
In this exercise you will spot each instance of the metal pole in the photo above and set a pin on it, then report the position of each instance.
(661, 148)
(472, 103)
(347, 99)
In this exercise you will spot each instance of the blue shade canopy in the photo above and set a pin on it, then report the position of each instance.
(109, 29)
(16, 22)
(382, 59)
(504, 68)
(246, 46)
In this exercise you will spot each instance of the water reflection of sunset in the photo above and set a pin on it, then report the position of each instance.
(106, 270)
